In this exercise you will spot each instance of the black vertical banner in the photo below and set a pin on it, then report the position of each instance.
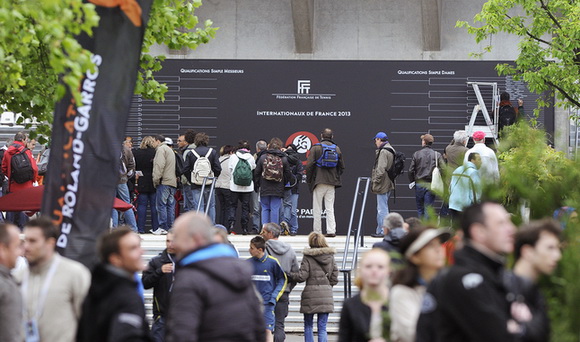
(87, 136)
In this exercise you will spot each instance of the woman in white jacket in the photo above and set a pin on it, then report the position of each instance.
(425, 256)
(240, 185)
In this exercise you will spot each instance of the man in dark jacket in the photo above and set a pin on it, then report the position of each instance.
(113, 309)
(213, 298)
(159, 275)
(469, 301)
(205, 201)
(393, 226)
(289, 217)
(421, 170)
(322, 182)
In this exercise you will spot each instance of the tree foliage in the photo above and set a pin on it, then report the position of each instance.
(549, 49)
(38, 47)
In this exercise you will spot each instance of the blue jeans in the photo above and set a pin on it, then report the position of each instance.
(424, 199)
(200, 201)
(158, 329)
(256, 216)
(382, 210)
(293, 220)
(309, 327)
(187, 198)
(271, 209)
(165, 206)
(144, 200)
(286, 206)
(123, 194)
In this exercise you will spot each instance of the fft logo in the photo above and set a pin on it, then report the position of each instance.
(303, 86)
(303, 141)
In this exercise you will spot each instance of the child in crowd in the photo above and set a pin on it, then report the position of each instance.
(270, 281)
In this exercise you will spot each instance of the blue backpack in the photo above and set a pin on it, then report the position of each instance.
(329, 156)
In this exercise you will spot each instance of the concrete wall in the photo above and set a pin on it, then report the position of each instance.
(342, 29)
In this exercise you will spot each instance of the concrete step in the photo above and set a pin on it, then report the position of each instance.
(152, 245)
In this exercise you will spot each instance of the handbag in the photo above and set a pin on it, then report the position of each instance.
(436, 179)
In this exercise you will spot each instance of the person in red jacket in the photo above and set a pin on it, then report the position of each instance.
(19, 144)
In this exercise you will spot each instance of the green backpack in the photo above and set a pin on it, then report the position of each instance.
(242, 173)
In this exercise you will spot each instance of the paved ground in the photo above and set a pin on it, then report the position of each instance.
(300, 337)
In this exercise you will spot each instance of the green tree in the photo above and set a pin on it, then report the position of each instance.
(37, 48)
(549, 49)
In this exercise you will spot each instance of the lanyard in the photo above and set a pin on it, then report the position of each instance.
(43, 292)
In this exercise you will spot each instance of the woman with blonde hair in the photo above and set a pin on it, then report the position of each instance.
(144, 156)
(365, 317)
(318, 269)
(425, 256)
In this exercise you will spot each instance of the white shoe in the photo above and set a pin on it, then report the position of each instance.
(158, 231)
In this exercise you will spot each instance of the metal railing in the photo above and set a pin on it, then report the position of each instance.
(345, 268)
(209, 197)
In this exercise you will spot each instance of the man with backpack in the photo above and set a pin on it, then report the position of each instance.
(185, 149)
(20, 168)
(381, 183)
(202, 164)
(324, 167)
(241, 166)
(508, 115)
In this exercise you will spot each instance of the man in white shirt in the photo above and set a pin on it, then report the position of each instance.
(489, 170)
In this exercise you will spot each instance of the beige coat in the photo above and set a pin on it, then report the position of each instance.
(164, 166)
(320, 272)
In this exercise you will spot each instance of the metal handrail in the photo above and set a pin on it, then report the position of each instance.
(359, 236)
(211, 191)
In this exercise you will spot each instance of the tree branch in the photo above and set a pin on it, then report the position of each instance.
(545, 8)
(529, 34)
(566, 95)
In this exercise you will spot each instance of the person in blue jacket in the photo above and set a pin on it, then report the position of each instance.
(269, 279)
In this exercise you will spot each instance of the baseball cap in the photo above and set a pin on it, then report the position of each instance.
(478, 135)
(168, 141)
(381, 135)
(427, 236)
(428, 138)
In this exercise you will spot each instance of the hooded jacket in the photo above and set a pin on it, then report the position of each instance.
(234, 159)
(286, 257)
(113, 309)
(213, 287)
(318, 269)
(213, 157)
(7, 166)
(384, 159)
(268, 187)
(317, 175)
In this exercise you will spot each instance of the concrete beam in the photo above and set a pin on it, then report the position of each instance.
(431, 25)
(303, 18)
(562, 129)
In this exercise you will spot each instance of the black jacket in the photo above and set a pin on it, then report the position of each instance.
(144, 163)
(190, 159)
(318, 175)
(423, 163)
(161, 282)
(213, 299)
(355, 320)
(113, 309)
(296, 168)
(472, 300)
(269, 187)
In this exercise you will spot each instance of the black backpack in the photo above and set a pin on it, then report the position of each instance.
(179, 165)
(507, 116)
(21, 167)
(398, 166)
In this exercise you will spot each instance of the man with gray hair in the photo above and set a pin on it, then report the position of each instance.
(393, 228)
(286, 257)
(455, 151)
(211, 286)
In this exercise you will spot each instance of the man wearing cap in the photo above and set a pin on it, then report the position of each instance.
(420, 172)
(489, 170)
(470, 301)
(381, 183)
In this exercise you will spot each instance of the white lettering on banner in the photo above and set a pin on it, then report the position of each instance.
(211, 71)
(260, 277)
(426, 72)
(77, 147)
(336, 113)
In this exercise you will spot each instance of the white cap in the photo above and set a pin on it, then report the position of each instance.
(427, 236)
(168, 141)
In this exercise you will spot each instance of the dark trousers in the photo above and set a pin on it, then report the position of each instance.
(281, 312)
(424, 199)
(244, 198)
(224, 199)
(158, 329)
